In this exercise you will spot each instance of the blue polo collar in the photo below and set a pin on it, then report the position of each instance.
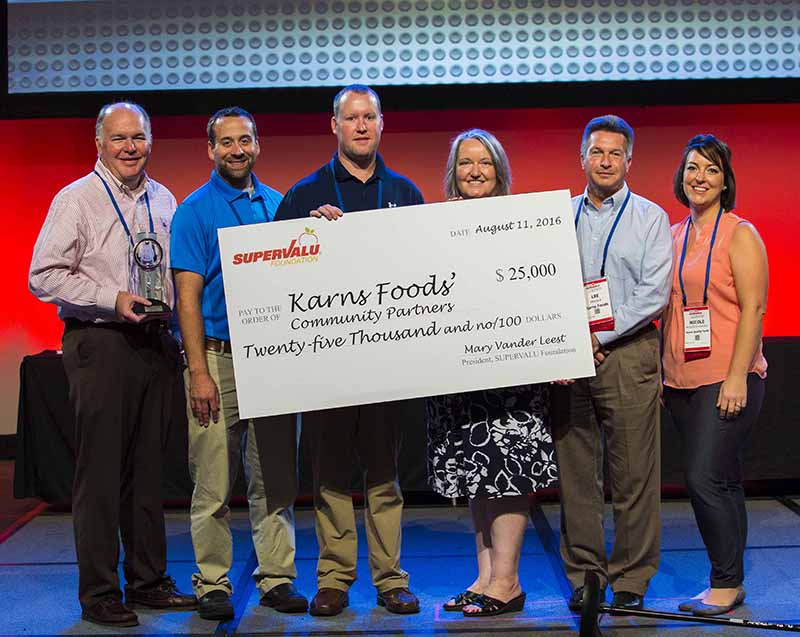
(342, 174)
(232, 194)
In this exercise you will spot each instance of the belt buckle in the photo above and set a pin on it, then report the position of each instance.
(215, 345)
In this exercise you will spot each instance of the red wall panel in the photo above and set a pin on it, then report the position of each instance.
(45, 154)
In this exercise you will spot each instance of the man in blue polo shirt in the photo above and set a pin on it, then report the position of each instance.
(355, 179)
(219, 440)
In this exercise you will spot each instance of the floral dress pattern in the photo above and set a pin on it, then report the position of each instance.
(490, 444)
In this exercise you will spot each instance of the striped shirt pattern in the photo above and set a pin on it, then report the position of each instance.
(81, 258)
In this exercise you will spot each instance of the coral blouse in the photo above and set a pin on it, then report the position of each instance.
(722, 302)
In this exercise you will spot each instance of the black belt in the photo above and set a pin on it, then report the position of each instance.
(146, 327)
(218, 345)
(624, 340)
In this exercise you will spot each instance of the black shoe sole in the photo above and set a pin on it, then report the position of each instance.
(122, 624)
(515, 605)
(216, 614)
(289, 610)
(132, 604)
(213, 617)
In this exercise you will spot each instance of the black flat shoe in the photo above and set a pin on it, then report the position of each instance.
(462, 599)
(489, 606)
(701, 609)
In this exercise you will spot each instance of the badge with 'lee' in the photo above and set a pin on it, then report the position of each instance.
(598, 305)
(696, 332)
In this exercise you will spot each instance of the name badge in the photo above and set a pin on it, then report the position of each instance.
(598, 305)
(696, 332)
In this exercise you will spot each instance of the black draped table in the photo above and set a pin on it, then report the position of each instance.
(45, 433)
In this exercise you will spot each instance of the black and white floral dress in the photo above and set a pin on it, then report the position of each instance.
(490, 444)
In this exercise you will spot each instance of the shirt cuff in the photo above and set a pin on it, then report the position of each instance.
(107, 300)
(605, 337)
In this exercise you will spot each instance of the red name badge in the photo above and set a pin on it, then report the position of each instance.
(598, 305)
(696, 332)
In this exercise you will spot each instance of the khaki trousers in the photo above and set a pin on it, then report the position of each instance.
(621, 406)
(267, 447)
(335, 435)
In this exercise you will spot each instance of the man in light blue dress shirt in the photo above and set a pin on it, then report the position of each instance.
(626, 253)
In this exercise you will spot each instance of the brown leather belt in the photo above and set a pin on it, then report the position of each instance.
(216, 345)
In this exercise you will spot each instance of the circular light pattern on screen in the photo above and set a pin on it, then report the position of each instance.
(189, 45)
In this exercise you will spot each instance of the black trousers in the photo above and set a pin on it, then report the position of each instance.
(712, 452)
(121, 381)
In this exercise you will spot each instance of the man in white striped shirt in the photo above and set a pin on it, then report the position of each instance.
(121, 367)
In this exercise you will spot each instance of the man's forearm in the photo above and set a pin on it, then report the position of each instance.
(190, 319)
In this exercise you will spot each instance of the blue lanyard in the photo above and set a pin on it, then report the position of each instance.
(339, 192)
(119, 212)
(708, 262)
(610, 234)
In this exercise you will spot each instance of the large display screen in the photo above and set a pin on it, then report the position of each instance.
(152, 45)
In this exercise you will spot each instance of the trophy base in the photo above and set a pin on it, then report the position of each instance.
(157, 311)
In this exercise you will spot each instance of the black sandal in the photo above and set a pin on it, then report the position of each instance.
(489, 606)
(462, 599)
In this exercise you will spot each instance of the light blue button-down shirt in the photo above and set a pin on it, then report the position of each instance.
(639, 263)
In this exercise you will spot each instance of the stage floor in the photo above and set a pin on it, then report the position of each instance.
(38, 579)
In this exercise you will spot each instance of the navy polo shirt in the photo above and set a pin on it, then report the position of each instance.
(318, 189)
(194, 245)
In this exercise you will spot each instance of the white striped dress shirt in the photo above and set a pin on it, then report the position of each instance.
(81, 258)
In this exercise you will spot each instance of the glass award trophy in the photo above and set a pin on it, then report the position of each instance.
(148, 273)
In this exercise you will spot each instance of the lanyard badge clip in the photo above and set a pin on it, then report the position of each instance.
(697, 319)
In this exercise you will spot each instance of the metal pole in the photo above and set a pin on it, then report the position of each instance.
(591, 611)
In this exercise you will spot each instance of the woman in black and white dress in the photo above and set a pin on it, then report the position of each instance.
(492, 446)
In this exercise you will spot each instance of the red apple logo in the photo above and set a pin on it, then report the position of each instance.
(308, 238)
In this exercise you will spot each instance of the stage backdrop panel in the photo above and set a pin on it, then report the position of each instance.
(46, 154)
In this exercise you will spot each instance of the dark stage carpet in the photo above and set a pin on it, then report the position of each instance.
(38, 578)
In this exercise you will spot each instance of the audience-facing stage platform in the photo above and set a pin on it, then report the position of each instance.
(38, 579)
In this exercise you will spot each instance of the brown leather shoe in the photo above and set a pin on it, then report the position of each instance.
(399, 600)
(329, 602)
(110, 611)
(285, 598)
(165, 594)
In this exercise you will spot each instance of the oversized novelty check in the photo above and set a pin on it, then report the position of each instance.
(405, 302)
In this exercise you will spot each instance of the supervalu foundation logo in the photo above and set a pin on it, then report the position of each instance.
(303, 249)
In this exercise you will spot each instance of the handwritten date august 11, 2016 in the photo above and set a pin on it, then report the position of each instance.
(507, 226)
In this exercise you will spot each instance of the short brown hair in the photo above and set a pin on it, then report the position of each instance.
(716, 151)
(230, 111)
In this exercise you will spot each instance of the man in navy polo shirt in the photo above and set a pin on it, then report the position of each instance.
(355, 179)
(219, 440)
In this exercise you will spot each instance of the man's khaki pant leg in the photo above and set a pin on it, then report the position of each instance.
(332, 436)
(633, 437)
(379, 438)
(579, 451)
(213, 474)
(270, 461)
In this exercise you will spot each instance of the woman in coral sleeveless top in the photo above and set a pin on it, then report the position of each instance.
(714, 368)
